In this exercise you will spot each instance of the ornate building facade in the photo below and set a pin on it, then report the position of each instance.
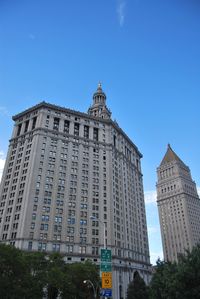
(178, 205)
(71, 182)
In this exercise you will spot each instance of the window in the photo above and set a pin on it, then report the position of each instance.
(96, 134)
(31, 234)
(70, 239)
(58, 219)
(34, 123)
(33, 216)
(42, 246)
(86, 131)
(66, 126)
(56, 123)
(57, 228)
(69, 248)
(70, 230)
(76, 129)
(30, 244)
(56, 247)
(46, 209)
(32, 225)
(95, 251)
(45, 218)
(19, 129)
(59, 202)
(44, 226)
(26, 126)
(47, 201)
(82, 249)
(71, 220)
(83, 222)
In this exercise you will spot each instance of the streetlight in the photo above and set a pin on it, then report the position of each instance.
(104, 232)
(89, 282)
(104, 229)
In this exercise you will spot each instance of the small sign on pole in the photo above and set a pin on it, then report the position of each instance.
(106, 255)
(106, 267)
(107, 280)
(106, 292)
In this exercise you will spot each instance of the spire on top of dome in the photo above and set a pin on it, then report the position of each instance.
(99, 107)
(99, 86)
(99, 95)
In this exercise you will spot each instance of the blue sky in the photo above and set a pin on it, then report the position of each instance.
(145, 53)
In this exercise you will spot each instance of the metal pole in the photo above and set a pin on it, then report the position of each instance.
(104, 235)
(89, 281)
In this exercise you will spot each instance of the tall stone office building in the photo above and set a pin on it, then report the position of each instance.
(178, 206)
(65, 166)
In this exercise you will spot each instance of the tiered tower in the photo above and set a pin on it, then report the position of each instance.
(178, 206)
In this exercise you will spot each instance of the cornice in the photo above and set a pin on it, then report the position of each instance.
(77, 113)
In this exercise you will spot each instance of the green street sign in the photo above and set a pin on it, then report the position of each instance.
(106, 255)
(106, 267)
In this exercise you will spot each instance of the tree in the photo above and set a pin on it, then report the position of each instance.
(55, 275)
(35, 274)
(188, 274)
(137, 288)
(18, 276)
(80, 272)
(163, 283)
(177, 280)
(36, 264)
(12, 272)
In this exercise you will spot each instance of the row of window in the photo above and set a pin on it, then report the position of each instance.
(28, 125)
(66, 128)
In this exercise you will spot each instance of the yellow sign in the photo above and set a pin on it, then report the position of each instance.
(106, 280)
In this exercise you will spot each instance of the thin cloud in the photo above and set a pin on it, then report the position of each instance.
(153, 229)
(121, 11)
(31, 36)
(4, 111)
(150, 197)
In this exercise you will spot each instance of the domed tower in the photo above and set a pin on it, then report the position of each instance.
(99, 108)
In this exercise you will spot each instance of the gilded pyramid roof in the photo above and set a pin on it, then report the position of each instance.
(170, 156)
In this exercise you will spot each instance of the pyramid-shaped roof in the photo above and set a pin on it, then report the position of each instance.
(171, 156)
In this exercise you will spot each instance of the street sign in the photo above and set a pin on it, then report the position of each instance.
(106, 274)
(106, 292)
(106, 267)
(105, 255)
(106, 280)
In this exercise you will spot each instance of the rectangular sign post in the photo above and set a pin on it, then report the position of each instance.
(106, 255)
(107, 280)
(105, 267)
(106, 293)
(106, 272)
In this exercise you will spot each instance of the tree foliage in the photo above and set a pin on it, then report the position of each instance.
(137, 288)
(163, 284)
(35, 275)
(177, 280)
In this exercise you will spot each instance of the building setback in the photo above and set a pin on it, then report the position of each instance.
(65, 166)
(178, 205)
